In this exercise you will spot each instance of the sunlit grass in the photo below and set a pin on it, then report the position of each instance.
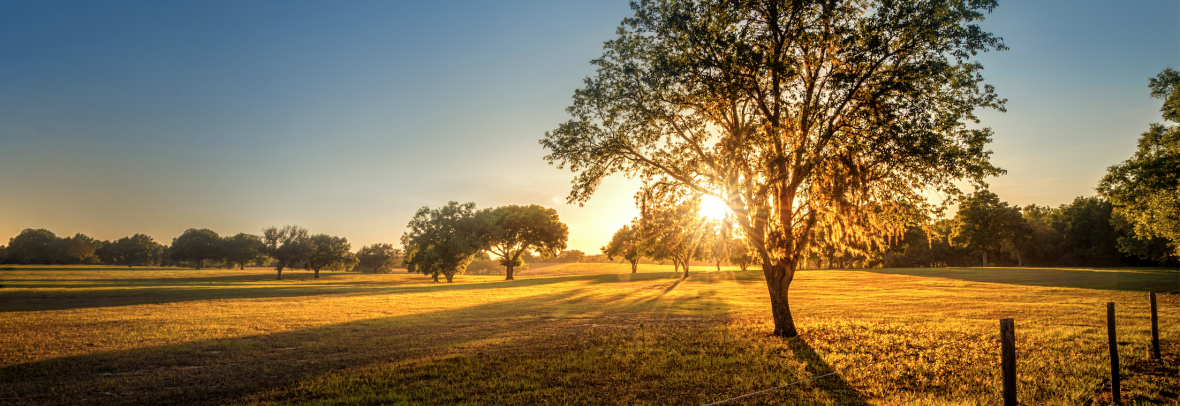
(576, 333)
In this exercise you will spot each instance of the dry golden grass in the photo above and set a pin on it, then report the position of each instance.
(578, 333)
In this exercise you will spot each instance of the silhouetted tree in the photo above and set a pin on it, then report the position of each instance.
(378, 258)
(289, 246)
(34, 246)
(196, 246)
(136, 250)
(329, 252)
(80, 249)
(243, 248)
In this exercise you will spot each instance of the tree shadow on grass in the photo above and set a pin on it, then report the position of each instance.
(1131, 280)
(68, 296)
(549, 348)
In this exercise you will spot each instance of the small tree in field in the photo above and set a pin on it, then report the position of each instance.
(515, 230)
(289, 246)
(242, 249)
(444, 240)
(329, 252)
(625, 245)
(740, 255)
(671, 225)
(378, 258)
(196, 246)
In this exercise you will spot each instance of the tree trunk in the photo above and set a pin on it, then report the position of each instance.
(199, 264)
(280, 274)
(508, 271)
(778, 282)
(718, 266)
(1019, 259)
(242, 266)
(435, 278)
(676, 264)
(984, 257)
(449, 276)
(317, 274)
(634, 265)
(686, 268)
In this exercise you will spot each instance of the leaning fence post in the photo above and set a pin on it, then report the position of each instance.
(1155, 330)
(1114, 354)
(1008, 360)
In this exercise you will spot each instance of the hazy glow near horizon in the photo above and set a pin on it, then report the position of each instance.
(346, 117)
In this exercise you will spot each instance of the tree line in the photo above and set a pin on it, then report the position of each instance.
(289, 247)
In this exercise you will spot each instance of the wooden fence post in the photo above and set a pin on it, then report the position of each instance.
(1008, 360)
(1114, 354)
(1155, 330)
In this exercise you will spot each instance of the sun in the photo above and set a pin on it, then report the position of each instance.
(713, 208)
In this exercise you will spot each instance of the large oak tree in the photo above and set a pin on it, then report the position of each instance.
(798, 114)
(515, 230)
(444, 240)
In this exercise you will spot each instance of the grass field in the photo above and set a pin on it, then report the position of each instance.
(577, 333)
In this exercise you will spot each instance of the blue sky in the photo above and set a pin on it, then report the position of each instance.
(345, 117)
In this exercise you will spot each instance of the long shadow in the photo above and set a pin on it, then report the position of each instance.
(1131, 280)
(409, 358)
(834, 383)
(72, 296)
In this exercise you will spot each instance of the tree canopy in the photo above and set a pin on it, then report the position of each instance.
(378, 258)
(444, 240)
(289, 246)
(196, 246)
(515, 230)
(985, 223)
(243, 248)
(329, 252)
(796, 114)
(1145, 190)
(624, 244)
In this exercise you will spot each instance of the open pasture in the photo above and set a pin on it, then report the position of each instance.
(574, 333)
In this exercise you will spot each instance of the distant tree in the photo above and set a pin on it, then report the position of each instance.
(717, 241)
(1090, 236)
(671, 225)
(34, 246)
(515, 230)
(1145, 190)
(80, 249)
(3, 254)
(243, 248)
(983, 223)
(289, 246)
(624, 245)
(444, 241)
(570, 257)
(739, 254)
(136, 250)
(196, 246)
(329, 252)
(378, 258)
